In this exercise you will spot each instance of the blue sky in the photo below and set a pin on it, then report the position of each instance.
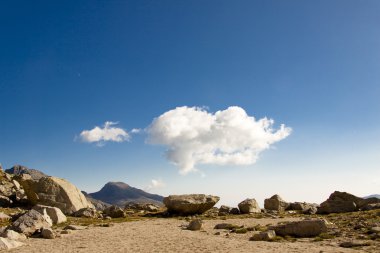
(314, 66)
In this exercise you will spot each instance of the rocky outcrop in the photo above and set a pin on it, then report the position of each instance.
(114, 212)
(11, 193)
(306, 208)
(30, 222)
(19, 170)
(54, 213)
(305, 228)
(86, 212)
(56, 192)
(190, 204)
(249, 206)
(148, 207)
(275, 203)
(341, 202)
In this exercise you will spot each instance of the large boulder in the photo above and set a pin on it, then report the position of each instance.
(249, 206)
(54, 213)
(306, 208)
(190, 204)
(30, 222)
(87, 212)
(275, 203)
(6, 244)
(341, 202)
(305, 228)
(56, 192)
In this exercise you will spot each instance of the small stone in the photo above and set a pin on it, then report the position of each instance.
(375, 229)
(66, 232)
(217, 233)
(195, 224)
(48, 233)
(350, 244)
(264, 236)
(74, 227)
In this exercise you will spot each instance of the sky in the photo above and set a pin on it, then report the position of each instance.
(240, 99)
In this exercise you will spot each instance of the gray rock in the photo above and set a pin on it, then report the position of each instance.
(355, 243)
(86, 212)
(305, 228)
(190, 204)
(56, 192)
(6, 244)
(48, 233)
(264, 236)
(30, 222)
(195, 224)
(275, 203)
(114, 212)
(235, 210)
(54, 213)
(249, 206)
(147, 207)
(13, 235)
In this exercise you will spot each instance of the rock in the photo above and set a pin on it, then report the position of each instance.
(305, 228)
(13, 235)
(30, 222)
(56, 192)
(148, 207)
(264, 236)
(223, 226)
(66, 232)
(10, 192)
(48, 233)
(340, 202)
(74, 227)
(301, 206)
(19, 170)
(54, 213)
(114, 212)
(87, 212)
(190, 204)
(98, 204)
(350, 244)
(235, 210)
(224, 210)
(371, 206)
(275, 203)
(249, 206)
(195, 225)
(375, 229)
(6, 244)
(4, 217)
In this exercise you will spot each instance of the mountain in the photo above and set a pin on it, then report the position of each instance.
(118, 193)
(372, 196)
(19, 170)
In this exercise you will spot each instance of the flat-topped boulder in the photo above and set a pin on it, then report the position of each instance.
(304, 228)
(55, 192)
(190, 203)
(341, 202)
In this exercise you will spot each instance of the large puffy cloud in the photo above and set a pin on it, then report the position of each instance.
(155, 184)
(108, 132)
(194, 136)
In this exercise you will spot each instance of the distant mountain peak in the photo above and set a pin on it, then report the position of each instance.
(19, 170)
(119, 193)
(373, 196)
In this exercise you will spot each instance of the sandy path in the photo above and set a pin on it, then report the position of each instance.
(166, 235)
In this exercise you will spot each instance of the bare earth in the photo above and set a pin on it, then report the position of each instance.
(167, 235)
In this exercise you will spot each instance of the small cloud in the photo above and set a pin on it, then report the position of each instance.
(194, 136)
(100, 135)
(136, 130)
(155, 184)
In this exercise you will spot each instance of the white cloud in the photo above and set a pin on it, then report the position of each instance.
(194, 136)
(100, 135)
(155, 184)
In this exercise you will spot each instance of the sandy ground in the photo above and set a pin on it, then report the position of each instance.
(166, 235)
